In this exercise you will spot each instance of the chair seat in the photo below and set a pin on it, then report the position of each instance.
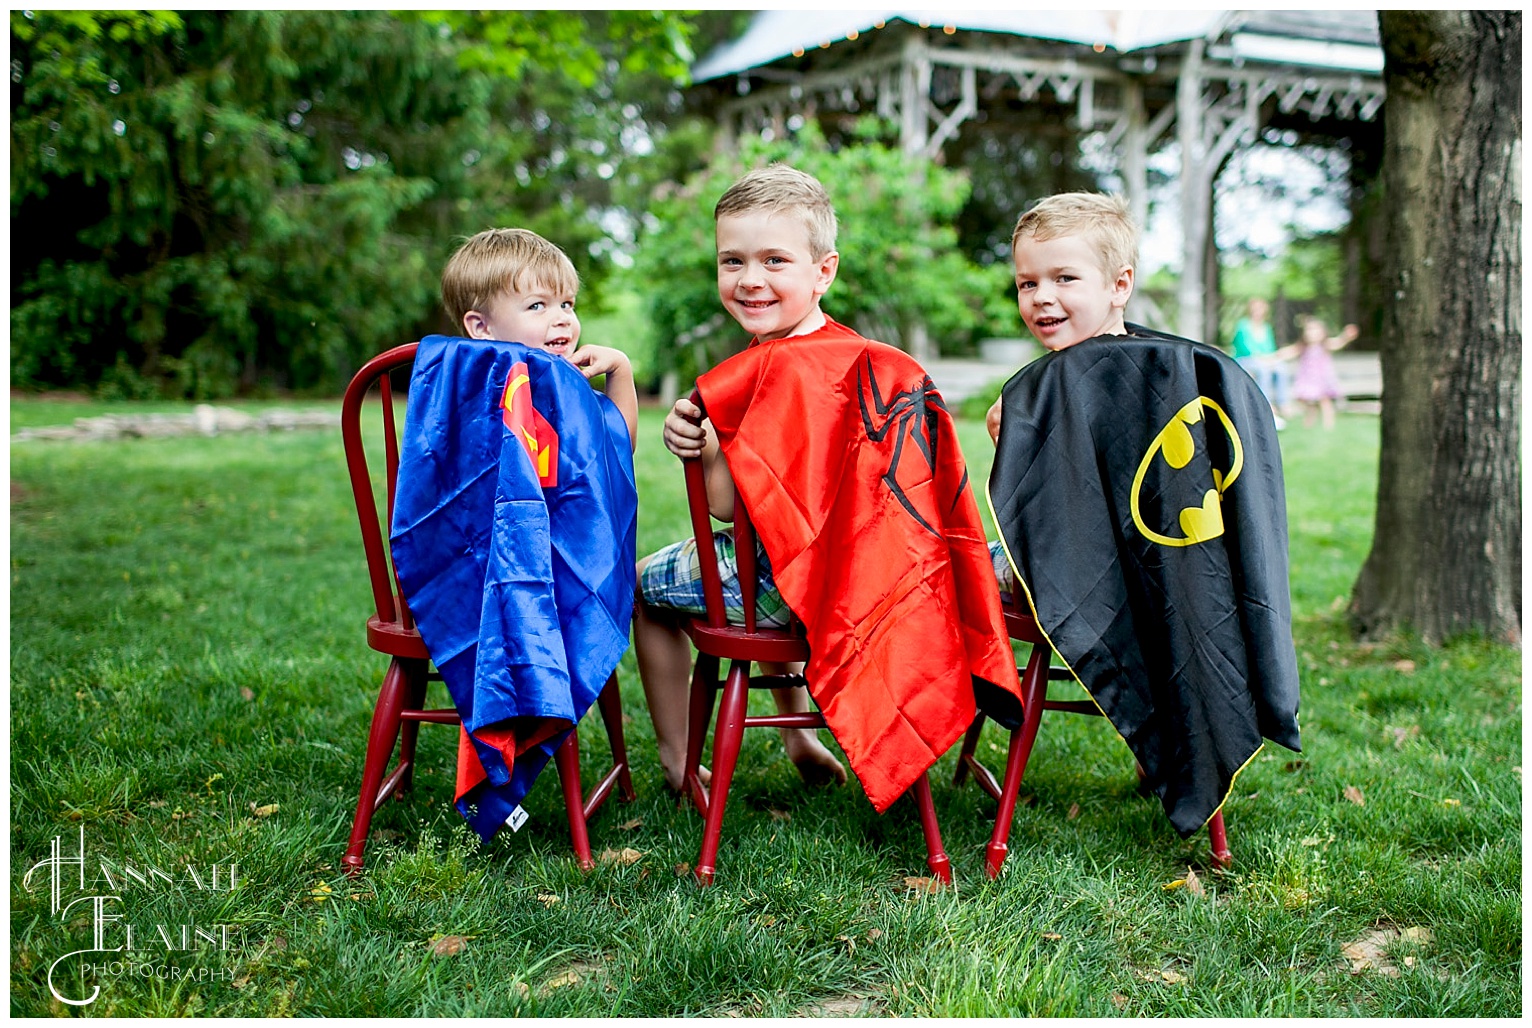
(732, 642)
(394, 639)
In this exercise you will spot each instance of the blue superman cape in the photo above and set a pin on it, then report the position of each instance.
(513, 538)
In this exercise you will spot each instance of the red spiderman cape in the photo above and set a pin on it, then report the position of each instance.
(845, 456)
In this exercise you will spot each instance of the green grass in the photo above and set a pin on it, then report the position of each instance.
(187, 648)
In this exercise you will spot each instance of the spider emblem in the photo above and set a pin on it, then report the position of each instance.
(907, 414)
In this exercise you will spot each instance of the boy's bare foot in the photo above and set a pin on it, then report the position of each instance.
(674, 767)
(815, 764)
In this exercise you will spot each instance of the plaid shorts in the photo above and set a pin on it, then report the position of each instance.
(1002, 569)
(672, 579)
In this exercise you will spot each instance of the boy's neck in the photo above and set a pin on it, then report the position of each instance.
(815, 320)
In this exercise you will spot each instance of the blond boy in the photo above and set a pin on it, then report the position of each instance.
(775, 235)
(1074, 255)
(512, 285)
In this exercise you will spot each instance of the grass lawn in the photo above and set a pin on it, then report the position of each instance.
(191, 686)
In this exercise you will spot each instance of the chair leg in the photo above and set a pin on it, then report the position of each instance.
(1217, 836)
(936, 857)
(380, 746)
(415, 699)
(1034, 692)
(610, 703)
(704, 683)
(970, 745)
(567, 757)
(727, 737)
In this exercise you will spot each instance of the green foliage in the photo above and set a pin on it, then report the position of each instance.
(214, 201)
(900, 265)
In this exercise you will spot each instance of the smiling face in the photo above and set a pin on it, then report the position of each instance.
(539, 316)
(768, 279)
(1064, 295)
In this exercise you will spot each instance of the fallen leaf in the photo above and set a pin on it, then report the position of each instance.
(1452, 803)
(448, 945)
(625, 856)
(523, 990)
(1052, 936)
(320, 893)
(874, 934)
(1119, 1001)
(1406, 666)
(246, 693)
(1172, 976)
(779, 815)
(628, 826)
(1354, 794)
(1074, 812)
(1194, 884)
(160, 804)
(547, 899)
(923, 884)
(560, 981)
(1403, 735)
(849, 941)
(682, 870)
(265, 811)
(1174, 885)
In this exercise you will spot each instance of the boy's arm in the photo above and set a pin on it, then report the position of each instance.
(614, 364)
(687, 438)
(992, 421)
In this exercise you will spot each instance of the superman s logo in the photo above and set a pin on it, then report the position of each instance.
(529, 427)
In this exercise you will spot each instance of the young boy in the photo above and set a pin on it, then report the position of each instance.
(514, 286)
(1074, 255)
(1137, 486)
(775, 232)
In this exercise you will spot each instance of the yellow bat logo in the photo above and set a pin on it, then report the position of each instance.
(1198, 524)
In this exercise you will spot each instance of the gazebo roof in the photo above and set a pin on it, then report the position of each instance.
(1340, 39)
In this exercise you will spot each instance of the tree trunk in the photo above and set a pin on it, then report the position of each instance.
(1446, 555)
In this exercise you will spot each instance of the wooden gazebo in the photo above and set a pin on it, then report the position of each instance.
(1132, 82)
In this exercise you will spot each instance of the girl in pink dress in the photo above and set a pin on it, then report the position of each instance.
(1315, 383)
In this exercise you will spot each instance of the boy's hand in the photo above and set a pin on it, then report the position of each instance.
(992, 421)
(684, 437)
(619, 388)
(599, 360)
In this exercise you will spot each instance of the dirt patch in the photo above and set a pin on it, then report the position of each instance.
(842, 1006)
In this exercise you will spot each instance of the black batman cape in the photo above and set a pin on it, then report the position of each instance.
(1137, 486)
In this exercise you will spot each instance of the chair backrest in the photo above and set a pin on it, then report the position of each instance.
(744, 547)
(387, 595)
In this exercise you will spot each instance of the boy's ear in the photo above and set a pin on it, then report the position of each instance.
(1122, 286)
(829, 264)
(476, 325)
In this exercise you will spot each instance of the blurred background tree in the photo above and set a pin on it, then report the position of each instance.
(211, 202)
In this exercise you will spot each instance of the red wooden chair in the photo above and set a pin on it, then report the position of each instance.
(1034, 697)
(390, 630)
(716, 640)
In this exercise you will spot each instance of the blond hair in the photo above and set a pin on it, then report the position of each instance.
(1101, 217)
(778, 187)
(498, 260)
